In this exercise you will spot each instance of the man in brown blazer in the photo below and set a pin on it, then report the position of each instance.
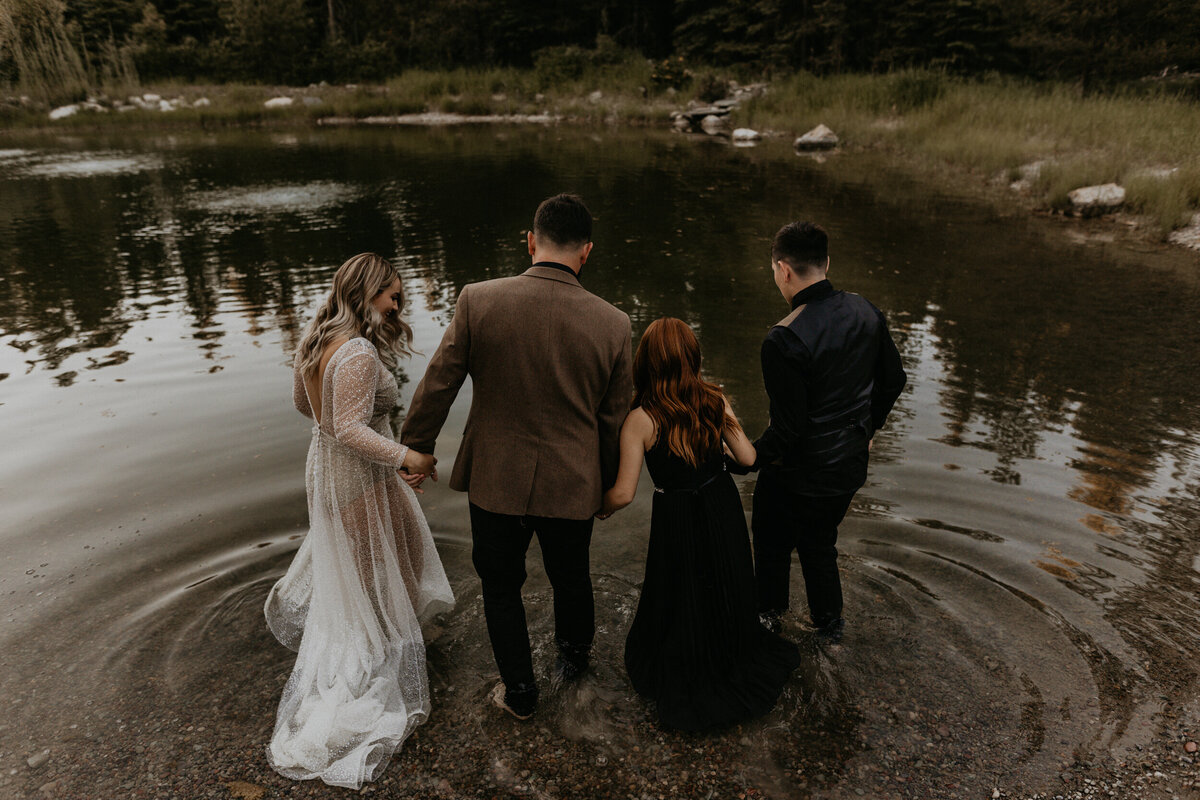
(550, 371)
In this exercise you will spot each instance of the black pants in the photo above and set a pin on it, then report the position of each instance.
(499, 543)
(808, 524)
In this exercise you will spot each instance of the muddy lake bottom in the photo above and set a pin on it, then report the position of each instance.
(904, 707)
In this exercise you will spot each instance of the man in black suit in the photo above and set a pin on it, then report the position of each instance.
(832, 374)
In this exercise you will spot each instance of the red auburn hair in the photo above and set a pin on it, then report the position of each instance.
(688, 411)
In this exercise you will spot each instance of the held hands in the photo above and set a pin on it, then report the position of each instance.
(611, 504)
(417, 467)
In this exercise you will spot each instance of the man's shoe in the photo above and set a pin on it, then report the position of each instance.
(831, 631)
(498, 699)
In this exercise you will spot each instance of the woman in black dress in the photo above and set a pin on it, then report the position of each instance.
(696, 647)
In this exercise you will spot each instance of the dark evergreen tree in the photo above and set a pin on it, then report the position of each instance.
(103, 21)
(1095, 42)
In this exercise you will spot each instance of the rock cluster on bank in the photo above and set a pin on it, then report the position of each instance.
(144, 102)
(101, 104)
(714, 119)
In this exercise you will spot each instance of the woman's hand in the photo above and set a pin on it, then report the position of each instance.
(414, 480)
(609, 506)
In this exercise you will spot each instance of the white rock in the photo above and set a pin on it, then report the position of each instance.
(309, 100)
(713, 125)
(746, 135)
(278, 102)
(202, 103)
(38, 759)
(62, 112)
(1092, 200)
(151, 98)
(596, 96)
(819, 138)
(499, 97)
(682, 124)
(166, 105)
(1188, 237)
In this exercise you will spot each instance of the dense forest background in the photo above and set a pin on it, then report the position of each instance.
(1093, 42)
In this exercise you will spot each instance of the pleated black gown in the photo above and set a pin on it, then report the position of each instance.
(696, 647)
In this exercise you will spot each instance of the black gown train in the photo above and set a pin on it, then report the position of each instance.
(696, 646)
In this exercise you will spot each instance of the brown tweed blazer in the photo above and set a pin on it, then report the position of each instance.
(551, 378)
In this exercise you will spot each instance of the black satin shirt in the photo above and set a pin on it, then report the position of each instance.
(849, 356)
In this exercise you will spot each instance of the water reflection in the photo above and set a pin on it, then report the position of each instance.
(1030, 524)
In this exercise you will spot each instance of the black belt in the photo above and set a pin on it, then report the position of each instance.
(660, 490)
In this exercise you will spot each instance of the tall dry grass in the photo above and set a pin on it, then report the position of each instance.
(52, 67)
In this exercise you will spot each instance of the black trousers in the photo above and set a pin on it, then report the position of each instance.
(808, 524)
(499, 544)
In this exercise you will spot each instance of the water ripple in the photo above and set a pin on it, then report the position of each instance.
(81, 165)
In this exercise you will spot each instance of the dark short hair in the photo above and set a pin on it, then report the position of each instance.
(803, 245)
(564, 220)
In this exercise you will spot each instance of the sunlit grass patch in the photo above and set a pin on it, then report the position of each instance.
(1170, 199)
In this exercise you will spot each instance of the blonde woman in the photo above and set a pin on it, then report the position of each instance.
(367, 574)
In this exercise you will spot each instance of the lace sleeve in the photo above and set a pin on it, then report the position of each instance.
(300, 395)
(354, 380)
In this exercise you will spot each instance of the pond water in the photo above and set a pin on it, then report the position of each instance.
(1021, 571)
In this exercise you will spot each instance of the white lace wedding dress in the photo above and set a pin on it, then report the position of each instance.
(361, 583)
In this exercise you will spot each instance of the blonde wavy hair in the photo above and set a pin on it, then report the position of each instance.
(348, 312)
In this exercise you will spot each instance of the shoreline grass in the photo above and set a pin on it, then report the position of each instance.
(1148, 142)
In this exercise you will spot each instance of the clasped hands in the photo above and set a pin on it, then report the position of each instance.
(416, 468)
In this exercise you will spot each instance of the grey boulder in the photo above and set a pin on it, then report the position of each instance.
(819, 138)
